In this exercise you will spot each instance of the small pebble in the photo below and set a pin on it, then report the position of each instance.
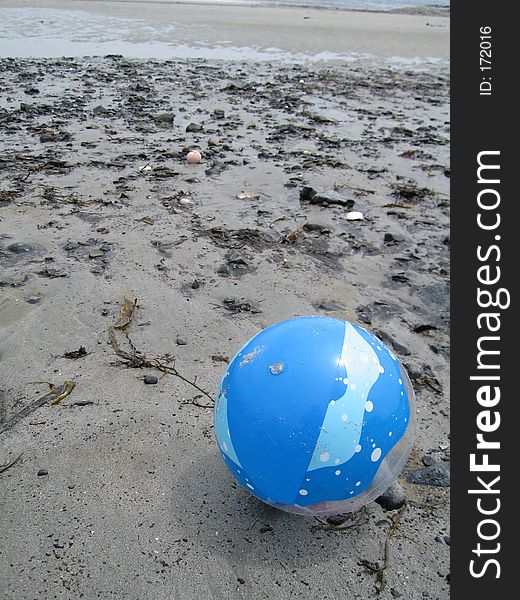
(240, 580)
(150, 379)
(393, 498)
(428, 461)
(354, 216)
(42, 472)
(181, 342)
(337, 519)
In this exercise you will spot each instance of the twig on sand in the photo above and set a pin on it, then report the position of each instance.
(55, 396)
(136, 360)
(11, 463)
(379, 570)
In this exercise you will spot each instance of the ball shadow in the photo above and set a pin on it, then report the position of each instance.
(211, 509)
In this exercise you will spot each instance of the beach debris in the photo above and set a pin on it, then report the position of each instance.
(380, 569)
(428, 460)
(58, 393)
(237, 306)
(135, 359)
(194, 157)
(248, 196)
(220, 358)
(237, 238)
(24, 248)
(324, 197)
(81, 351)
(126, 313)
(164, 119)
(11, 463)
(354, 216)
(422, 375)
(194, 128)
(410, 191)
(101, 111)
(390, 239)
(328, 306)
(436, 475)
(392, 498)
(317, 227)
(343, 522)
(98, 253)
(401, 349)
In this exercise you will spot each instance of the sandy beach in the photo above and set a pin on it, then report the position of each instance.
(118, 490)
(292, 30)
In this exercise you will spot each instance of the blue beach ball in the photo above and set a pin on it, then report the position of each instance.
(315, 416)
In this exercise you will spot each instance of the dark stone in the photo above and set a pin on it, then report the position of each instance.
(337, 519)
(428, 461)
(437, 475)
(181, 342)
(393, 238)
(194, 128)
(322, 229)
(266, 528)
(150, 379)
(308, 194)
(235, 258)
(33, 300)
(397, 346)
(164, 118)
(436, 295)
(393, 498)
(42, 472)
(99, 111)
(195, 285)
(328, 306)
(22, 248)
(241, 581)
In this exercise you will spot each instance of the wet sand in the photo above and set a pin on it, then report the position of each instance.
(98, 203)
(296, 30)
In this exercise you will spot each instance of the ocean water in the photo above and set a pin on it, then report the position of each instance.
(39, 31)
(372, 5)
(379, 5)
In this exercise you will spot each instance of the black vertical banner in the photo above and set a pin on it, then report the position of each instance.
(485, 239)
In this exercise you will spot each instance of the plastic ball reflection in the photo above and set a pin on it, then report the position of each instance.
(315, 416)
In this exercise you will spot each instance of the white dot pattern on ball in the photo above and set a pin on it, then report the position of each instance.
(376, 455)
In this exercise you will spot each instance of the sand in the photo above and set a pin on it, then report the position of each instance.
(294, 30)
(98, 203)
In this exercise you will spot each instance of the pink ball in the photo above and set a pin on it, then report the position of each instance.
(194, 157)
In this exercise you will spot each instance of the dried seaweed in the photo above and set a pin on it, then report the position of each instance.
(375, 567)
(11, 463)
(166, 364)
(56, 395)
(126, 313)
